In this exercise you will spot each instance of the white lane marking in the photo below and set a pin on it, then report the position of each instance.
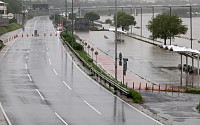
(26, 66)
(39, 94)
(49, 60)
(112, 93)
(47, 54)
(27, 51)
(67, 85)
(61, 118)
(92, 107)
(4, 113)
(55, 72)
(30, 78)
(46, 45)
(26, 57)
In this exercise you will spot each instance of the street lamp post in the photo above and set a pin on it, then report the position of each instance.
(85, 45)
(88, 49)
(92, 49)
(96, 53)
(124, 68)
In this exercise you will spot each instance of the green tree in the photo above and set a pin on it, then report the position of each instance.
(124, 20)
(108, 21)
(92, 16)
(74, 16)
(160, 27)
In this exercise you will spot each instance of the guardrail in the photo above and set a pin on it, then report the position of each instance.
(121, 89)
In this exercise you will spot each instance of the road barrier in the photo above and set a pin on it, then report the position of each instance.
(146, 86)
(152, 87)
(107, 80)
(10, 39)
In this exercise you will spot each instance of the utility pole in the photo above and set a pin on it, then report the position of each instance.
(66, 10)
(66, 15)
(72, 23)
(115, 41)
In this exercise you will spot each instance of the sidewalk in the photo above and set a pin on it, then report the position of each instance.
(108, 64)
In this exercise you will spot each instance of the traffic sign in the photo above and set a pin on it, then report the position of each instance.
(10, 16)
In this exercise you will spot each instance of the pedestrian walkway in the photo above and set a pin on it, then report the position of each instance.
(108, 64)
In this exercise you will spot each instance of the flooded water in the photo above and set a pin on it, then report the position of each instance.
(147, 61)
(176, 41)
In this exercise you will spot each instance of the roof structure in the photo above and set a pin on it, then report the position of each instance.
(118, 30)
(182, 50)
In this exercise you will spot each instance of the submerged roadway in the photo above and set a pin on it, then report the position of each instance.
(41, 85)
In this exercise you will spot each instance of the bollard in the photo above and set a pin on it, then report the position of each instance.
(178, 89)
(133, 85)
(146, 86)
(126, 84)
(166, 88)
(56, 34)
(22, 35)
(159, 88)
(32, 34)
(38, 35)
(152, 87)
(172, 88)
(140, 87)
(44, 34)
(27, 35)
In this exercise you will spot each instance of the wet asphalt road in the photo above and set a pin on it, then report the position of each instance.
(41, 85)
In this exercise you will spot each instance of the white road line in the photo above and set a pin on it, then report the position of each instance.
(26, 57)
(26, 66)
(30, 78)
(49, 61)
(4, 113)
(61, 118)
(55, 72)
(27, 51)
(67, 85)
(92, 107)
(39, 94)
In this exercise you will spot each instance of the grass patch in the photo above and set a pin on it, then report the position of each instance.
(136, 96)
(192, 91)
(1, 45)
(10, 27)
